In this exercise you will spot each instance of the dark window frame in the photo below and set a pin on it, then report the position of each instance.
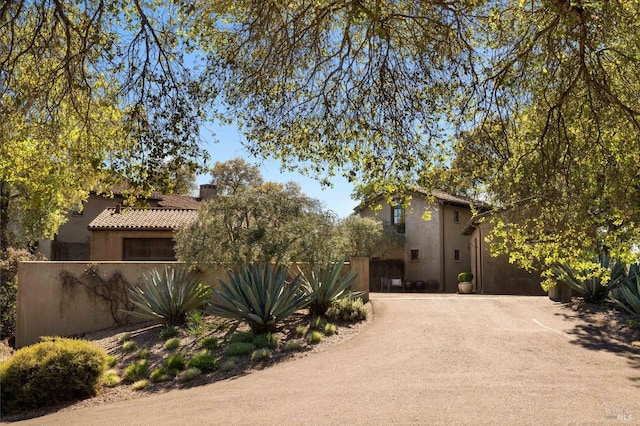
(147, 249)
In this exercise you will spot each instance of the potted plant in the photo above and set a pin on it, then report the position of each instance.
(464, 282)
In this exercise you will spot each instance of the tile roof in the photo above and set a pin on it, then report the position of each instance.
(178, 202)
(440, 197)
(142, 219)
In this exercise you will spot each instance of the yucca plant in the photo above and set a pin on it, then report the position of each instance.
(626, 294)
(167, 296)
(258, 295)
(589, 281)
(326, 286)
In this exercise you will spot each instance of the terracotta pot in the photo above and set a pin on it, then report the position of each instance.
(465, 287)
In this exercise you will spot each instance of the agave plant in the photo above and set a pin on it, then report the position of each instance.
(626, 294)
(167, 296)
(326, 286)
(588, 281)
(258, 295)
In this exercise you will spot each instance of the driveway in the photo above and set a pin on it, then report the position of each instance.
(424, 360)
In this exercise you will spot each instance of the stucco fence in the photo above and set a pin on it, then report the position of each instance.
(71, 298)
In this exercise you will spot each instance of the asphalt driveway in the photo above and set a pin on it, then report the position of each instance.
(427, 360)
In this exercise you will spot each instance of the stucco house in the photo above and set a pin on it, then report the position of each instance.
(119, 234)
(73, 239)
(494, 274)
(435, 250)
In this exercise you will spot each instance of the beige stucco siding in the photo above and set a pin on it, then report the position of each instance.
(108, 245)
(454, 240)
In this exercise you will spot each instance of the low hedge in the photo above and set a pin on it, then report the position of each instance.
(53, 371)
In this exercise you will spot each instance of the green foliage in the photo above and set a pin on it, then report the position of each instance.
(301, 330)
(50, 372)
(166, 297)
(326, 286)
(365, 236)
(329, 329)
(267, 340)
(347, 309)
(129, 346)
(465, 276)
(204, 361)
(260, 354)
(162, 374)
(175, 361)
(260, 296)
(172, 344)
(125, 337)
(9, 288)
(189, 374)
(317, 323)
(210, 342)
(136, 371)
(273, 223)
(142, 353)
(111, 379)
(111, 361)
(593, 280)
(140, 384)
(168, 331)
(626, 294)
(291, 345)
(242, 336)
(195, 323)
(314, 337)
(238, 349)
(229, 364)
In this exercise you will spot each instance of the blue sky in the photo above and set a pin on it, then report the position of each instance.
(229, 146)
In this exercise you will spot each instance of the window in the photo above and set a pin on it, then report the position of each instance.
(148, 249)
(398, 217)
(456, 255)
(415, 254)
(456, 217)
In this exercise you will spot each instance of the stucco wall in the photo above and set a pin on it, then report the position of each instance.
(107, 245)
(48, 307)
(454, 240)
(495, 275)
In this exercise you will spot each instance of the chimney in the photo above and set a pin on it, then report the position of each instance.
(207, 191)
(118, 209)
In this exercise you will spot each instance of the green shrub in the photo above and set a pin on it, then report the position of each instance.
(626, 292)
(204, 361)
(124, 337)
(189, 374)
(326, 286)
(129, 346)
(111, 361)
(168, 331)
(172, 344)
(317, 323)
(175, 361)
(50, 372)
(140, 384)
(162, 374)
(347, 310)
(314, 337)
(242, 337)
(260, 296)
(166, 297)
(329, 329)
(210, 342)
(464, 277)
(593, 280)
(195, 323)
(301, 330)
(238, 349)
(267, 340)
(291, 345)
(9, 288)
(229, 364)
(142, 353)
(260, 354)
(111, 379)
(135, 372)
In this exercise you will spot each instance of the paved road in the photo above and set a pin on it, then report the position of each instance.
(425, 360)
